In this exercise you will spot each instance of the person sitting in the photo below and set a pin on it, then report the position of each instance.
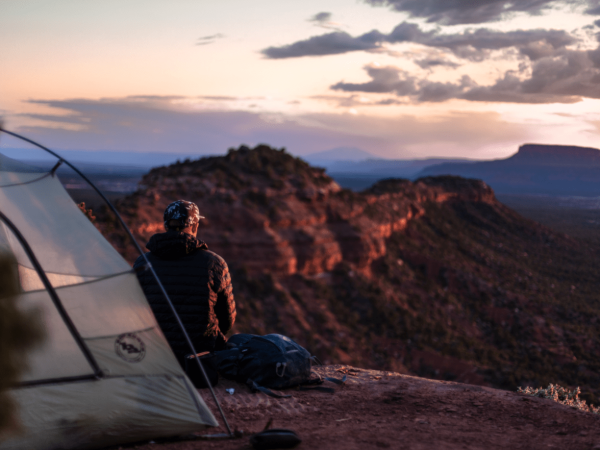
(196, 279)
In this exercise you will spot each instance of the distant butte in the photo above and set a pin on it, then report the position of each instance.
(557, 154)
(560, 170)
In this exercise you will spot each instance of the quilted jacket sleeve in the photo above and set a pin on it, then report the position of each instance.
(225, 306)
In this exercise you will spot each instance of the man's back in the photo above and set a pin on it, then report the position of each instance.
(199, 285)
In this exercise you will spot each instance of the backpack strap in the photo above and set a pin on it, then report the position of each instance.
(337, 380)
(256, 388)
(319, 380)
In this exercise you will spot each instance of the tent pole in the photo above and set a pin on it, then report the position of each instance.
(141, 252)
(55, 299)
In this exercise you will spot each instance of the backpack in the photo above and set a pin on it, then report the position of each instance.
(272, 361)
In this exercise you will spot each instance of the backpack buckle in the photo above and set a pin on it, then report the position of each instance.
(278, 366)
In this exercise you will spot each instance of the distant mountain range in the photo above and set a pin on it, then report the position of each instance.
(357, 169)
(534, 169)
(98, 160)
(347, 154)
(352, 160)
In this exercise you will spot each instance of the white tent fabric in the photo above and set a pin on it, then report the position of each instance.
(141, 392)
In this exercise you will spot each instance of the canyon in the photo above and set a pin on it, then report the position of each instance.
(434, 278)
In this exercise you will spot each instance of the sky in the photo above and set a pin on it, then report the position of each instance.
(399, 79)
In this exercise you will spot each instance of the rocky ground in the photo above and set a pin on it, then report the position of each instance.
(379, 409)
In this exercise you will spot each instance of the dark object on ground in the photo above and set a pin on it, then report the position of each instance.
(275, 438)
(272, 361)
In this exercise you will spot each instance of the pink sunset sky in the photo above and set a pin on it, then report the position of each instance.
(397, 78)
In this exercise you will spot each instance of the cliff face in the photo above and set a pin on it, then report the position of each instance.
(434, 278)
(270, 211)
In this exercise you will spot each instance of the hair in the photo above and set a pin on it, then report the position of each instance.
(176, 225)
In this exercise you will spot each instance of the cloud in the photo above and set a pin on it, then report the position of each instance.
(473, 45)
(206, 40)
(563, 78)
(436, 61)
(156, 127)
(593, 7)
(71, 119)
(321, 18)
(357, 100)
(326, 44)
(455, 12)
(147, 98)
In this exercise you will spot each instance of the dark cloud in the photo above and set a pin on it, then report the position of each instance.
(428, 63)
(206, 40)
(593, 7)
(454, 12)
(564, 78)
(390, 101)
(322, 17)
(326, 44)
(387, 80)
(149, 127)
(473, 45)
(323, 20)
(383, 80)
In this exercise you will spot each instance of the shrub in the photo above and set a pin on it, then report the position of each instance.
(561, 395)
(87, 212)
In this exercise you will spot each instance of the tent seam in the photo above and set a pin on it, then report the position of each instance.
(106, 277)
(26, 182)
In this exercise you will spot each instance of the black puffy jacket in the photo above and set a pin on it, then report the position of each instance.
(198, 283)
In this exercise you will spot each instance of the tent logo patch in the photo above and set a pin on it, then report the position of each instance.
(130, 347)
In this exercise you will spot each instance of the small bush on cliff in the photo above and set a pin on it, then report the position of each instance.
(561, 395)
(87, 212)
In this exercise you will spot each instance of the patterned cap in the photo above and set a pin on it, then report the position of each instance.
(185, 212)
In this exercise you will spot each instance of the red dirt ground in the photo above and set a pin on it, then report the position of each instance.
(376, 410)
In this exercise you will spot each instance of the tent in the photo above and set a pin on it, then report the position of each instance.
(105, 375)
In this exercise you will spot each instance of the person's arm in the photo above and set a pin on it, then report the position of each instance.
(225, 306)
